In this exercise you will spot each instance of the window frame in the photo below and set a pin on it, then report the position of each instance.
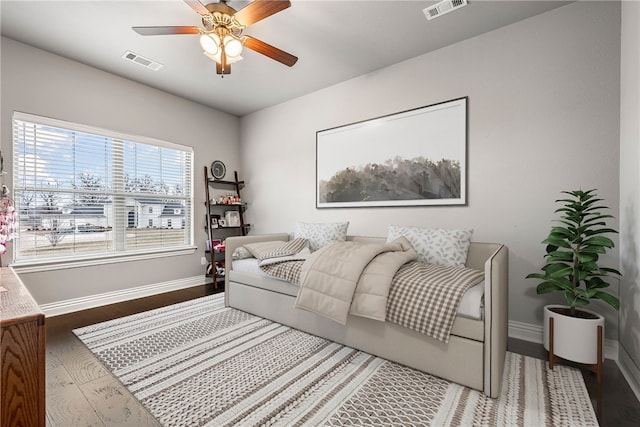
(78, 260)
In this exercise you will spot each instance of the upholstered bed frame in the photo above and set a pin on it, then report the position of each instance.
(474, 356)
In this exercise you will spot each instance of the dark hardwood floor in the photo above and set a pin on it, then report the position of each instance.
(80, 392)
(613, 401)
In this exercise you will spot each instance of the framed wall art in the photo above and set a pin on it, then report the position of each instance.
(411, 158)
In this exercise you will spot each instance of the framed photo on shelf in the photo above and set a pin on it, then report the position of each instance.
(215, 221)
(222, 223)
(232, 218)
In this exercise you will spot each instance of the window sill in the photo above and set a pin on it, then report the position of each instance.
(61, 264)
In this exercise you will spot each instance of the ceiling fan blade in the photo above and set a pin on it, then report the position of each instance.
(260, 9)
(270, 51)
(163, 31)
(197, 6)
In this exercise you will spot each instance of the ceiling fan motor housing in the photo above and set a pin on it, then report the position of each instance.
(221, 7)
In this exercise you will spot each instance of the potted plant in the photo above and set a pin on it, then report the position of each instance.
(573, 248)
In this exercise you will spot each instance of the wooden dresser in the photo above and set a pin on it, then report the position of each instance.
(22, 355)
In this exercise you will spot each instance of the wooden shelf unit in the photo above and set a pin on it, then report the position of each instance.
(221, 233)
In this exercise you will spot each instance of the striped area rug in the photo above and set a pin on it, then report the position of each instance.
(199, 363)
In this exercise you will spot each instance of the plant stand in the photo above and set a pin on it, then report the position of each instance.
(593, 367)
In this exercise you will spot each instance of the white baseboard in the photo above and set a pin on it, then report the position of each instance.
(69, 306)
(525, 331)
(533, 333)
(630, 371)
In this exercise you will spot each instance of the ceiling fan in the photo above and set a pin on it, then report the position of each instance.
(221, 38)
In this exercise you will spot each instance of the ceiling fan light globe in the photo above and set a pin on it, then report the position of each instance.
(210, 43)
(232, 46)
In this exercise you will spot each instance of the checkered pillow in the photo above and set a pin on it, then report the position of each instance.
(276, 249)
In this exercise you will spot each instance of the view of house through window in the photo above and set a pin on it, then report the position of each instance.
(86, 192)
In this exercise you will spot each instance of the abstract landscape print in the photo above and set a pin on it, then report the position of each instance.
(415, 157)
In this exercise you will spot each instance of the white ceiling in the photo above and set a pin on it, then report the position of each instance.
(335, 40)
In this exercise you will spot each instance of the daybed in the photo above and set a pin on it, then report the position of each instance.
(475, 352)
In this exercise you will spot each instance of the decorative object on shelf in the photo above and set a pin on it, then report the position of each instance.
(229, 199)
(220, 269)
(232, 218)
(573, 249)
(218, 169)
(218, 245)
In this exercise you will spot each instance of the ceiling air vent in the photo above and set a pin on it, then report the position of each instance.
(141, 60)
(443, 7)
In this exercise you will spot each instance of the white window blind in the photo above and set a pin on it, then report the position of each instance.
(90, 193)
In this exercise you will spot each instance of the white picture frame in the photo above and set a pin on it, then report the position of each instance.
(232, 218)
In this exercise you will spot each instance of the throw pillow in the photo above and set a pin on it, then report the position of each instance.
(439, 246)
(264, 250)
(321, 234)
(241, 253)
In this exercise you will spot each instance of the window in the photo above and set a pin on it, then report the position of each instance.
(80, 191)
(169, 223)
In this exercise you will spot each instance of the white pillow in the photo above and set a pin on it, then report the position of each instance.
(439, 246)
(241, 253)
(321, 234)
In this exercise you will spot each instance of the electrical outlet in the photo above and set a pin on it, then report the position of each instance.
(203, 261)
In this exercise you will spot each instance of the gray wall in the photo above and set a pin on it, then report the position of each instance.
(41, 83)
(630, 189)
(544, 97)
(543, 117)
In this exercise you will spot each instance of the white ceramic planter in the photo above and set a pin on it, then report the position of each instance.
(575, 339)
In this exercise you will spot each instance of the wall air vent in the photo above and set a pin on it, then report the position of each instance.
(443, 7)
(141, 60)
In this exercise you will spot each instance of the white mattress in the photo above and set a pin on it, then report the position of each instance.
(470, 306)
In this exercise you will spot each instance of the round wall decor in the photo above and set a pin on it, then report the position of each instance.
(218, 169)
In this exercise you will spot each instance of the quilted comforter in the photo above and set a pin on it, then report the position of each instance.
(351, 277)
